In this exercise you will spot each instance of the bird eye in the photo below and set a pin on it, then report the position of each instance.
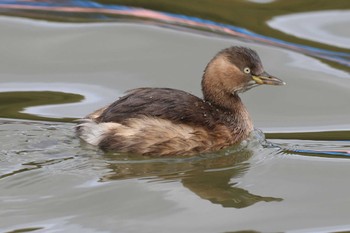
(246, 70)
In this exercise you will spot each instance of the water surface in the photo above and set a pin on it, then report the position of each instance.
(60, 61)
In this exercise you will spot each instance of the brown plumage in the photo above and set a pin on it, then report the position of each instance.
(164, 121)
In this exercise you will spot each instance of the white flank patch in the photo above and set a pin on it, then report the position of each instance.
(92, 132)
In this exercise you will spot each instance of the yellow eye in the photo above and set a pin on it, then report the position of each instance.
(246, 70)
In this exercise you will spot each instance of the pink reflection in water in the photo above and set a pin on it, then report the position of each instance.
(91, 7)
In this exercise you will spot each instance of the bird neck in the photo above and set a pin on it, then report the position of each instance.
(236, 114)
(217, 79)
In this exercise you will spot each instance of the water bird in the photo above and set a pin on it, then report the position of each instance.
(168, 122)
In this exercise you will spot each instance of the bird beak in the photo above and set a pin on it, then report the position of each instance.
(265, 78)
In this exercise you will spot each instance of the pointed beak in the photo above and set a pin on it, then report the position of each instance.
(265, 78)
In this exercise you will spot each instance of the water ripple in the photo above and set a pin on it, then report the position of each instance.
(108, 10)
(328, 149)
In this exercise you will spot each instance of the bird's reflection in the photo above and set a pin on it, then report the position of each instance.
(211, 177)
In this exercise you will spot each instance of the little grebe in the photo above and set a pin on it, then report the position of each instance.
(164, 121)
